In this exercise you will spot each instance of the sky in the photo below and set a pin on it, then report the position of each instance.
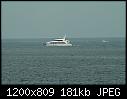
(47, 19)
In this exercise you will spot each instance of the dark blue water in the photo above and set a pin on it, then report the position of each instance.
(89, 61)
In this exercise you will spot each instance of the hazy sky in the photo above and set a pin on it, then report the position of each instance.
(38, 19)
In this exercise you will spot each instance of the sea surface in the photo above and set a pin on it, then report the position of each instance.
(89, 61)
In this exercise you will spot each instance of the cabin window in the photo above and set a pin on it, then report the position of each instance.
(57, 43)
(58, 40)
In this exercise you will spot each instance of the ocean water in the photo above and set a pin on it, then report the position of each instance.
(88, 61)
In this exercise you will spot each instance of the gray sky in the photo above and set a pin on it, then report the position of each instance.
(38, 19)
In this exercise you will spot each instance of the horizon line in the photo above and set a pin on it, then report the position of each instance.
(58, 37)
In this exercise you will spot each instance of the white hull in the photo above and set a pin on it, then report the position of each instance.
(58, 44)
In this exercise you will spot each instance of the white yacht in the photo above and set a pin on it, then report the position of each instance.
(104, 41)
(59, 42)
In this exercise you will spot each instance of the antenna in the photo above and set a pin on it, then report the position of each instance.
(64, 36)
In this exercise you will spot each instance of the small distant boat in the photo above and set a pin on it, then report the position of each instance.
(104, 41)
(59, 42)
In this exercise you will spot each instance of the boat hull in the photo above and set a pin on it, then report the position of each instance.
(58, 44)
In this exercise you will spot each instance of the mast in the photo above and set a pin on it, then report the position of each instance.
(64, 37)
